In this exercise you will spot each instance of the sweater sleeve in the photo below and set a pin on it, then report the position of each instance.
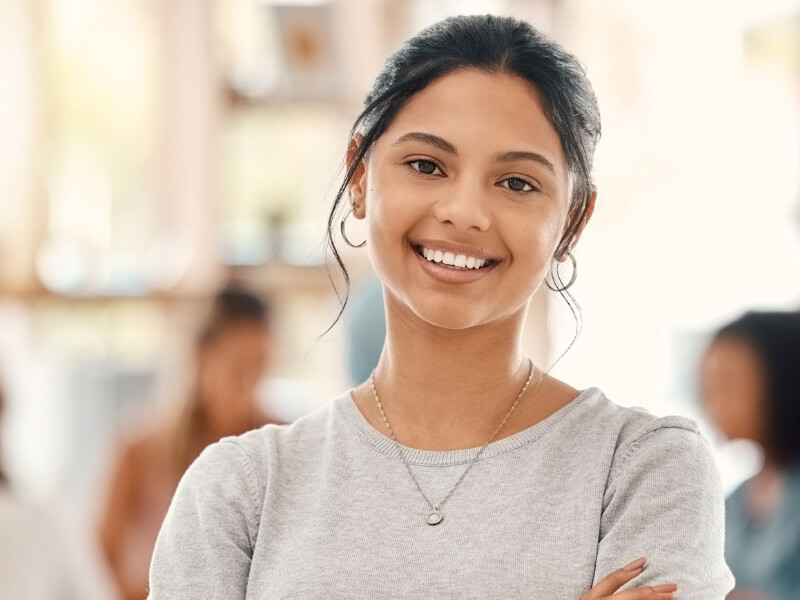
(206, 542)
(664, 502)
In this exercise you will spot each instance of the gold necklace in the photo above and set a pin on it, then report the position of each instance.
(435, 516)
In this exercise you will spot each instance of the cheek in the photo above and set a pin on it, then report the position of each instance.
(390, 201)
(750, 414)
(537, 237)
(391, 214)
(748, 402)
(736, 413)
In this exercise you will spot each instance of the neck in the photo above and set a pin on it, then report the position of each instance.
(213, 428)
(445, 389)
(771, 468)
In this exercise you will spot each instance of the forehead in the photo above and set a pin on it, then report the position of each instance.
(240, 332)
(730, 354)
(491, 111)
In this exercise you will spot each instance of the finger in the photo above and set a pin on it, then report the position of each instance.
(656, 592)
(615, 580)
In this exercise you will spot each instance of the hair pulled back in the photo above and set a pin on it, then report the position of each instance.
(493, 44)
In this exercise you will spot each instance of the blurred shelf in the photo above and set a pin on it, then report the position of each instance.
(274, 278)
(278, 277)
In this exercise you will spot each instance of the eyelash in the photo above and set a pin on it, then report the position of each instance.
(533, 187)
(417, 161)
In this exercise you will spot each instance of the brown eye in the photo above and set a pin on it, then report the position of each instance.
(426, 167)
(515, 184)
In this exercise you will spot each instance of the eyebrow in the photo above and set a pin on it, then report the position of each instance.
(523, 155)
(427, 138)
(444, 145)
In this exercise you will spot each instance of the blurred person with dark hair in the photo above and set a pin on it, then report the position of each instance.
(231, 357)
(750, 387)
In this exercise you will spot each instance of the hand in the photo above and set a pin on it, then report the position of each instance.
(606, 587)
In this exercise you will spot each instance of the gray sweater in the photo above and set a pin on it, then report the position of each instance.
(324, 508)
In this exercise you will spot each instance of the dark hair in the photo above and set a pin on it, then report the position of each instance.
(775, 339)
(234, 305)
(492, 44)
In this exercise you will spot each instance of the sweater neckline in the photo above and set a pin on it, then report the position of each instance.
(385, 445)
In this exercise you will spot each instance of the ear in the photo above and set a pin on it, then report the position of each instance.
(357, 187)
(589, 212)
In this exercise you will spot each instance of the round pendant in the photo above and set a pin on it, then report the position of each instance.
(434, 517)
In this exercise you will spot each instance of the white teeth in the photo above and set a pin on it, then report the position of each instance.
(452, 259)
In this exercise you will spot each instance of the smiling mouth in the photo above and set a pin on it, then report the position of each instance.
(454, 261)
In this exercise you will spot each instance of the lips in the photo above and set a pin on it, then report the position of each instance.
(452, 259)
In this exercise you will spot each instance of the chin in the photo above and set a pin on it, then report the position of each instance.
(452, 317)
(452, 323)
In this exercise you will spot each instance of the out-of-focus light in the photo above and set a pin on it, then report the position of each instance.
(123, 275)
(302, 244)
(62, 267)
(765, 9)
(294, 2)
(255, 78)
(167, 260)
(80, 201)
(247, 243)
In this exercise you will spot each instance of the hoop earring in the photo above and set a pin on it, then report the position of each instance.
(344, 235)
(556, 276)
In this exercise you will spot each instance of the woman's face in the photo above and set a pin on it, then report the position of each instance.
(465, 196)
(732, 389)
(230, 367)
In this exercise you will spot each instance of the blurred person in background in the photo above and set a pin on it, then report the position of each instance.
(750, 388)
(231, 357)
(38, 561)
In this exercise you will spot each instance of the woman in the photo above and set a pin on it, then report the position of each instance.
(750, 387)
(459, 469)
(231, 356)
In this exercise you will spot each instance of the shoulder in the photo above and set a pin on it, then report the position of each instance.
(633, 426)
(662, 478)
(308, 431)
(235, 471)
(140, 443)
(633, 437)
(260, 450)
(138, 455)
(650, 450)
(670, 437)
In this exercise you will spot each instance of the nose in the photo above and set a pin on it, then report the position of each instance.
(464, 206)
